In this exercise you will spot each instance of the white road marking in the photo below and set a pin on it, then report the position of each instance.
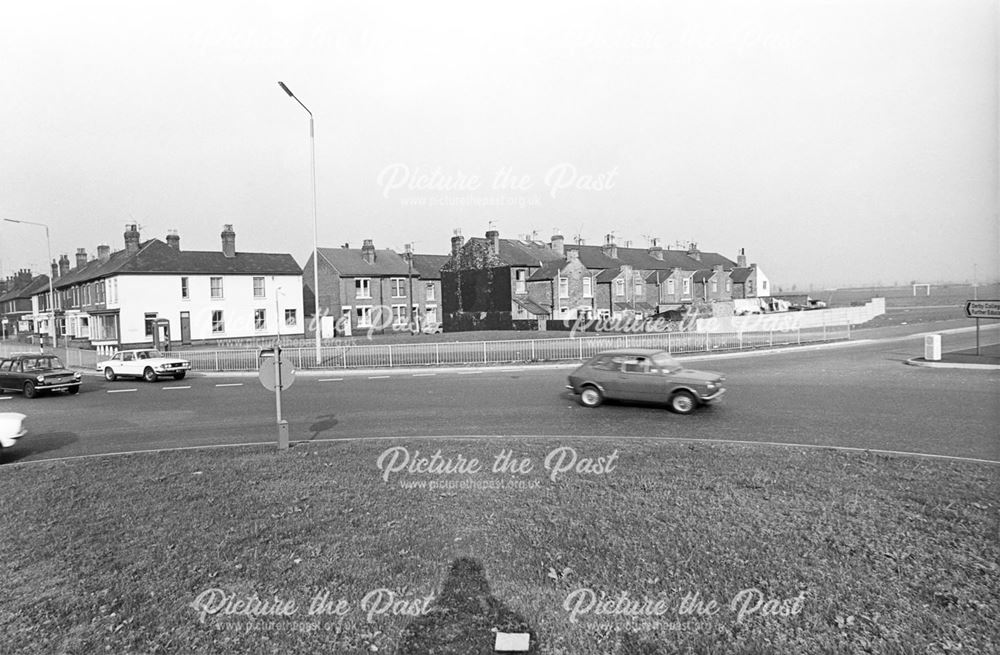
(121, 390)
(6, 397)
(377, 377)
(331, 379)
(230, 384)
(423, 375)
(170, 388)
(469, 372)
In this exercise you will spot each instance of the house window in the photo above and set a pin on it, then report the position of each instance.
(216, 285)
(399, 314)
(364, 316)
(640, 289)
(218, 324)
(686, 286)
(363, 288)
(185, 289)
(729, 285)
(763, 285)
(670, 287)
(620, 287)
(564, 287)
(259, 319)
(430, 291)
(398, 287)
(715, 286)
(258, 287)
(150, 322)
(291, 318)
(588, 286)
(521, 281)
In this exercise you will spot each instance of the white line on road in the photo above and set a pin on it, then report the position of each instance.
(331, 379)
(170, 388)
(230, 384)
(469, 372)
(6, 397)
(121, 390)
(423, 375)
(377, 377)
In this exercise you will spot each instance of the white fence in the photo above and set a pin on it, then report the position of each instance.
(477, 352)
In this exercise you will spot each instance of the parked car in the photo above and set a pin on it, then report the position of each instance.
(432, 328)
(12, 428)
(645, 375)
(145, 363)
(34, 373)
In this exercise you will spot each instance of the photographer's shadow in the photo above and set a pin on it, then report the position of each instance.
(464, 619)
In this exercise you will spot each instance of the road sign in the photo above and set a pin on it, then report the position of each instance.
(982, 308)
(267, 374)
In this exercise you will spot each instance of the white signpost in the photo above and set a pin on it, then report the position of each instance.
(978, 309)
(276, 375)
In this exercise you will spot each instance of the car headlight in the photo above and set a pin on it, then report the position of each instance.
(40, 378)
(710, 386)
(77, 375)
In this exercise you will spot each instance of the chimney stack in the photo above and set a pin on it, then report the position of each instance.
(609, 248)
(368, 251)
(693, 251)
(493, 240)
(655, 250)
(741, 259)
(63, 265)
(131, 239)
(24, 275)
(558, 245)
(55, 270)
(81, 257)
(457, 241)
(104, 253)
(228, 241)
(174, 240)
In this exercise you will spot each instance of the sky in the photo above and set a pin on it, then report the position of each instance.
(838, 142)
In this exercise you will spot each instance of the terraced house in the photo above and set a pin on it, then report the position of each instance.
(16, 316)
(494, 283)
(154, 293)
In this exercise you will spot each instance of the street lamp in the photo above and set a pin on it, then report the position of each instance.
(312, 139)
(52, 295)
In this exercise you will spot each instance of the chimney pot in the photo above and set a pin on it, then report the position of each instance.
(174, 240)
(493, 238)
(368, 251)
(228, 241)
(81, 257)
(63, 265)
(131, 239)
(558, 245)
(456, 244)
(104, 252)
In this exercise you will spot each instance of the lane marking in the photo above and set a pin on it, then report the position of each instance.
(331, 379)
(378, 377)
(6, 397)
(171, 388)
(230, 384)
(469, 372)
(121, 390)
(423, 375)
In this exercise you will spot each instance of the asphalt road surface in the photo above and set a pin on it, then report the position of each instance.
(861, 395)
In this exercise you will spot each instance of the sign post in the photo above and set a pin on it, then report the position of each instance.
(275, 376)
(977, 309)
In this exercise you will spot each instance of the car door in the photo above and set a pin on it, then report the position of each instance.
(6, 380)
(127, 366)
(639, 379)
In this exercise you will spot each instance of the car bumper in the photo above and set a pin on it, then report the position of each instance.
(60, 385)
(172, 370)
(714, 397)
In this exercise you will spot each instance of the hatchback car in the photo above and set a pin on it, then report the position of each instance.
(145, 363)
(644, 375)
(34, 373)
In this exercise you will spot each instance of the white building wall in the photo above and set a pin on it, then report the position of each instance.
(763, 286)
(161, 294)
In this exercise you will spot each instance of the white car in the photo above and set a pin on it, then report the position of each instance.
(145, 363)
(11, 428)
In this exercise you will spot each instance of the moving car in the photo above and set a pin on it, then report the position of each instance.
(146, 363)
(645, 375)
(12, 428)
(34, 373)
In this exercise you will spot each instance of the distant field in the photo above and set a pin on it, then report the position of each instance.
(952, 294)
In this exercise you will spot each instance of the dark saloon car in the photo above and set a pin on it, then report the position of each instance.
(35, 373)
(644, 375)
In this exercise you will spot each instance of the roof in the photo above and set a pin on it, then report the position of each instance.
(523, 253)
(532, 306)
(703, 274)
(348, 262)
(548, 271)
(37, 284)
(608, 275)
(157, 258)
(428, 267)
(740, 275)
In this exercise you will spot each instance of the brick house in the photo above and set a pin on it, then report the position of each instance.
(16, 318)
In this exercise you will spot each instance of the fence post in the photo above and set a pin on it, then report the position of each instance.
(390, 355)
(770, 338)
(484, 352)
(739, 335)
(532, 350)
(581, 348)
(437, 354)
(217, 360)
(707, 348)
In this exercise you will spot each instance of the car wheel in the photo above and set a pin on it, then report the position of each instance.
(179, 376)
(73, 390)
(109, 374)
(29, 390)
(682, 402)
(149, 375)
(591, 397)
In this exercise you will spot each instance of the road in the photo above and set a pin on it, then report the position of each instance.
(861, 395)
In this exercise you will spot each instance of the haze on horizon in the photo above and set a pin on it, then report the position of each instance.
(839, 143)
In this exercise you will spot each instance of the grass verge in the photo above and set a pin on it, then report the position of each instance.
(801, 551)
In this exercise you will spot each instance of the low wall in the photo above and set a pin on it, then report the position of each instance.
(782, 321)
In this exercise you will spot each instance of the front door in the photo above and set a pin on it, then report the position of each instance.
(186, 328)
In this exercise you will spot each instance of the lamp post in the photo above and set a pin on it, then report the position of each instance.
(409, 276)
(312, 139)
(52, 295)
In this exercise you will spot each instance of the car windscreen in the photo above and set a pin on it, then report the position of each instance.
(666, 362)
(148, 354)
(40, 363)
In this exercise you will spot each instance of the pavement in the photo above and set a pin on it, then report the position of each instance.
(986, 358)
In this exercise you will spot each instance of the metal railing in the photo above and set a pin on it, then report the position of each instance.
(464, 353)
